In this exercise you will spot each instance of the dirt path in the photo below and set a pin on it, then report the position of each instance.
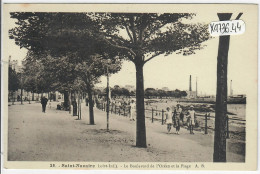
(58, 136)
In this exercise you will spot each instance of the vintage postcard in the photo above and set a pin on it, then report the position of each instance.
(130, 86)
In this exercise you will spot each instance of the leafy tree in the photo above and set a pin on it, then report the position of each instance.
(33, 75)
(150, 92)
(62, 72)
(58, 33)
(54, 37)
(125, 92)
(117, 91)
(66, 39)
(90, 70)
(149, 35)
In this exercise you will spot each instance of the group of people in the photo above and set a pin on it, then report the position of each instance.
(125, 103)
(176, 117)
(173, 118)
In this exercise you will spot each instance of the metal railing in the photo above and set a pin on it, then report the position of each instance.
(204, 121)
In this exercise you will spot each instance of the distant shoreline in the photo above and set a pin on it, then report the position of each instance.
(213, 100)
(200, 100)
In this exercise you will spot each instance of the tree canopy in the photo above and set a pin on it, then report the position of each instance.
(137, 37)
(151, 92)
(36, 77)
(146, 35)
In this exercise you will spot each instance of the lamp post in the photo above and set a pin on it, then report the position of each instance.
(108, 102)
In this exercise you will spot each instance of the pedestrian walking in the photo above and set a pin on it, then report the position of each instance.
(177, 113)
(192, 118)
(44, 102)
(168, 119)
(132, 110)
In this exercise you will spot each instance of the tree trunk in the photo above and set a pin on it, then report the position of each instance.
(66, 100)
(13, 98)
(70, 101)
(91, 111)
(32, 96)
(140, 115)
(78, 104)
(221, 99)
(78, 95)
(21, 96)
(74, 103)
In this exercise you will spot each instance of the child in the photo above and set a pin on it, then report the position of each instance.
(168, 119)
(192, 116)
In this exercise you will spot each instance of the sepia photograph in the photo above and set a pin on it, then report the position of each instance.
(130, 86)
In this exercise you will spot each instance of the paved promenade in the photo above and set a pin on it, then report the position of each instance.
(58, 136)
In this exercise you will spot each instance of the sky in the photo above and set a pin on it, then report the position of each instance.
(173, 71)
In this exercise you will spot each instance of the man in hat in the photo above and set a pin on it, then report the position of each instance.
(177, 113)
(192, 116)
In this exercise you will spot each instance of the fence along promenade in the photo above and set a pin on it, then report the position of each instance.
(158, 115)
